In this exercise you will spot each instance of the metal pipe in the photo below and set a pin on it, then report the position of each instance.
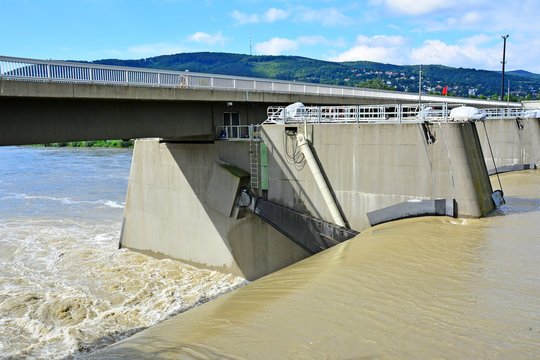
(319, 179)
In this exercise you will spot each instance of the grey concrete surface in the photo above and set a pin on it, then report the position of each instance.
(512, 141)
(373, 166)
(168, 213)
(368, 167)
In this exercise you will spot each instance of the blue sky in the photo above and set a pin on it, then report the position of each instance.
(453, 33)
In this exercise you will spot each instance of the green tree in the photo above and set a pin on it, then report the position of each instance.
(378, 84)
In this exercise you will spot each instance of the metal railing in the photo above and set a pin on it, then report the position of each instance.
(376, 113)
(239, 132)
(12, 68)
(504, 113)
(358, 114)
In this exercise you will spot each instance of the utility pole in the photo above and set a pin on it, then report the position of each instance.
(508, 96)
(503, 62)
(420, 86)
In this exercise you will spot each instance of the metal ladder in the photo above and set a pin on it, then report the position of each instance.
(254, 150)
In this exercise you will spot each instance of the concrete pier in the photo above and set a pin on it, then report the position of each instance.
(180, 200)
(510, 144)
(173, 211)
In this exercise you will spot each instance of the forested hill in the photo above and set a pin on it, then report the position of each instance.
(460, 81)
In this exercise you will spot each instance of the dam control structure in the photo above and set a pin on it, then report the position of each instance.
(228, 175)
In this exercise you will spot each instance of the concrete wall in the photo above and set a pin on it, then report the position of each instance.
(168, 212)
(513, 142)
(372, 166)
(174, 207)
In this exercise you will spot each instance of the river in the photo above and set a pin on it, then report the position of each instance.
(65, 288)
(424, 288)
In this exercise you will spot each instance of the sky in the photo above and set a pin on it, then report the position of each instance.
(449, 32)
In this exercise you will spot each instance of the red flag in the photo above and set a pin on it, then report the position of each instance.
(445, 90)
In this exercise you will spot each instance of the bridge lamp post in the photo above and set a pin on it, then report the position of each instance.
(503, 62)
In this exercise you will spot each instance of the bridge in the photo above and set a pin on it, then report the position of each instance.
(55, 101)
(226, 172)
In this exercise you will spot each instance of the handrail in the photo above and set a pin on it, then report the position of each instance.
(16, 68)
(250, 132)
(376, 113)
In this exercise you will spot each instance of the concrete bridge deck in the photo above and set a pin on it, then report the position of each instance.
(54, 101)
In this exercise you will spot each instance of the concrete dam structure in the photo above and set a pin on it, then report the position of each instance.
(185, 197)
(224, 176)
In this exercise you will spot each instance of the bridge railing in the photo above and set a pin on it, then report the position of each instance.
(13, 68)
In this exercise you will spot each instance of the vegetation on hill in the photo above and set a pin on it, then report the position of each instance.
(460, 81)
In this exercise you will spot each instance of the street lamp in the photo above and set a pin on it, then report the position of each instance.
(503, 62)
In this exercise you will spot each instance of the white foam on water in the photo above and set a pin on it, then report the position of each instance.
(66, 289)
(65, 200)
(112, 204)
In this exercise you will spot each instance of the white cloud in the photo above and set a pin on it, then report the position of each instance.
(274, 14)
(276, 46)
(467, 53)
(382, 40)
(325, 16)
(320, 40)
(243, 18)
(479, 51)
(379, 48)
(418, 7)
(208, 39)
(366, 53)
